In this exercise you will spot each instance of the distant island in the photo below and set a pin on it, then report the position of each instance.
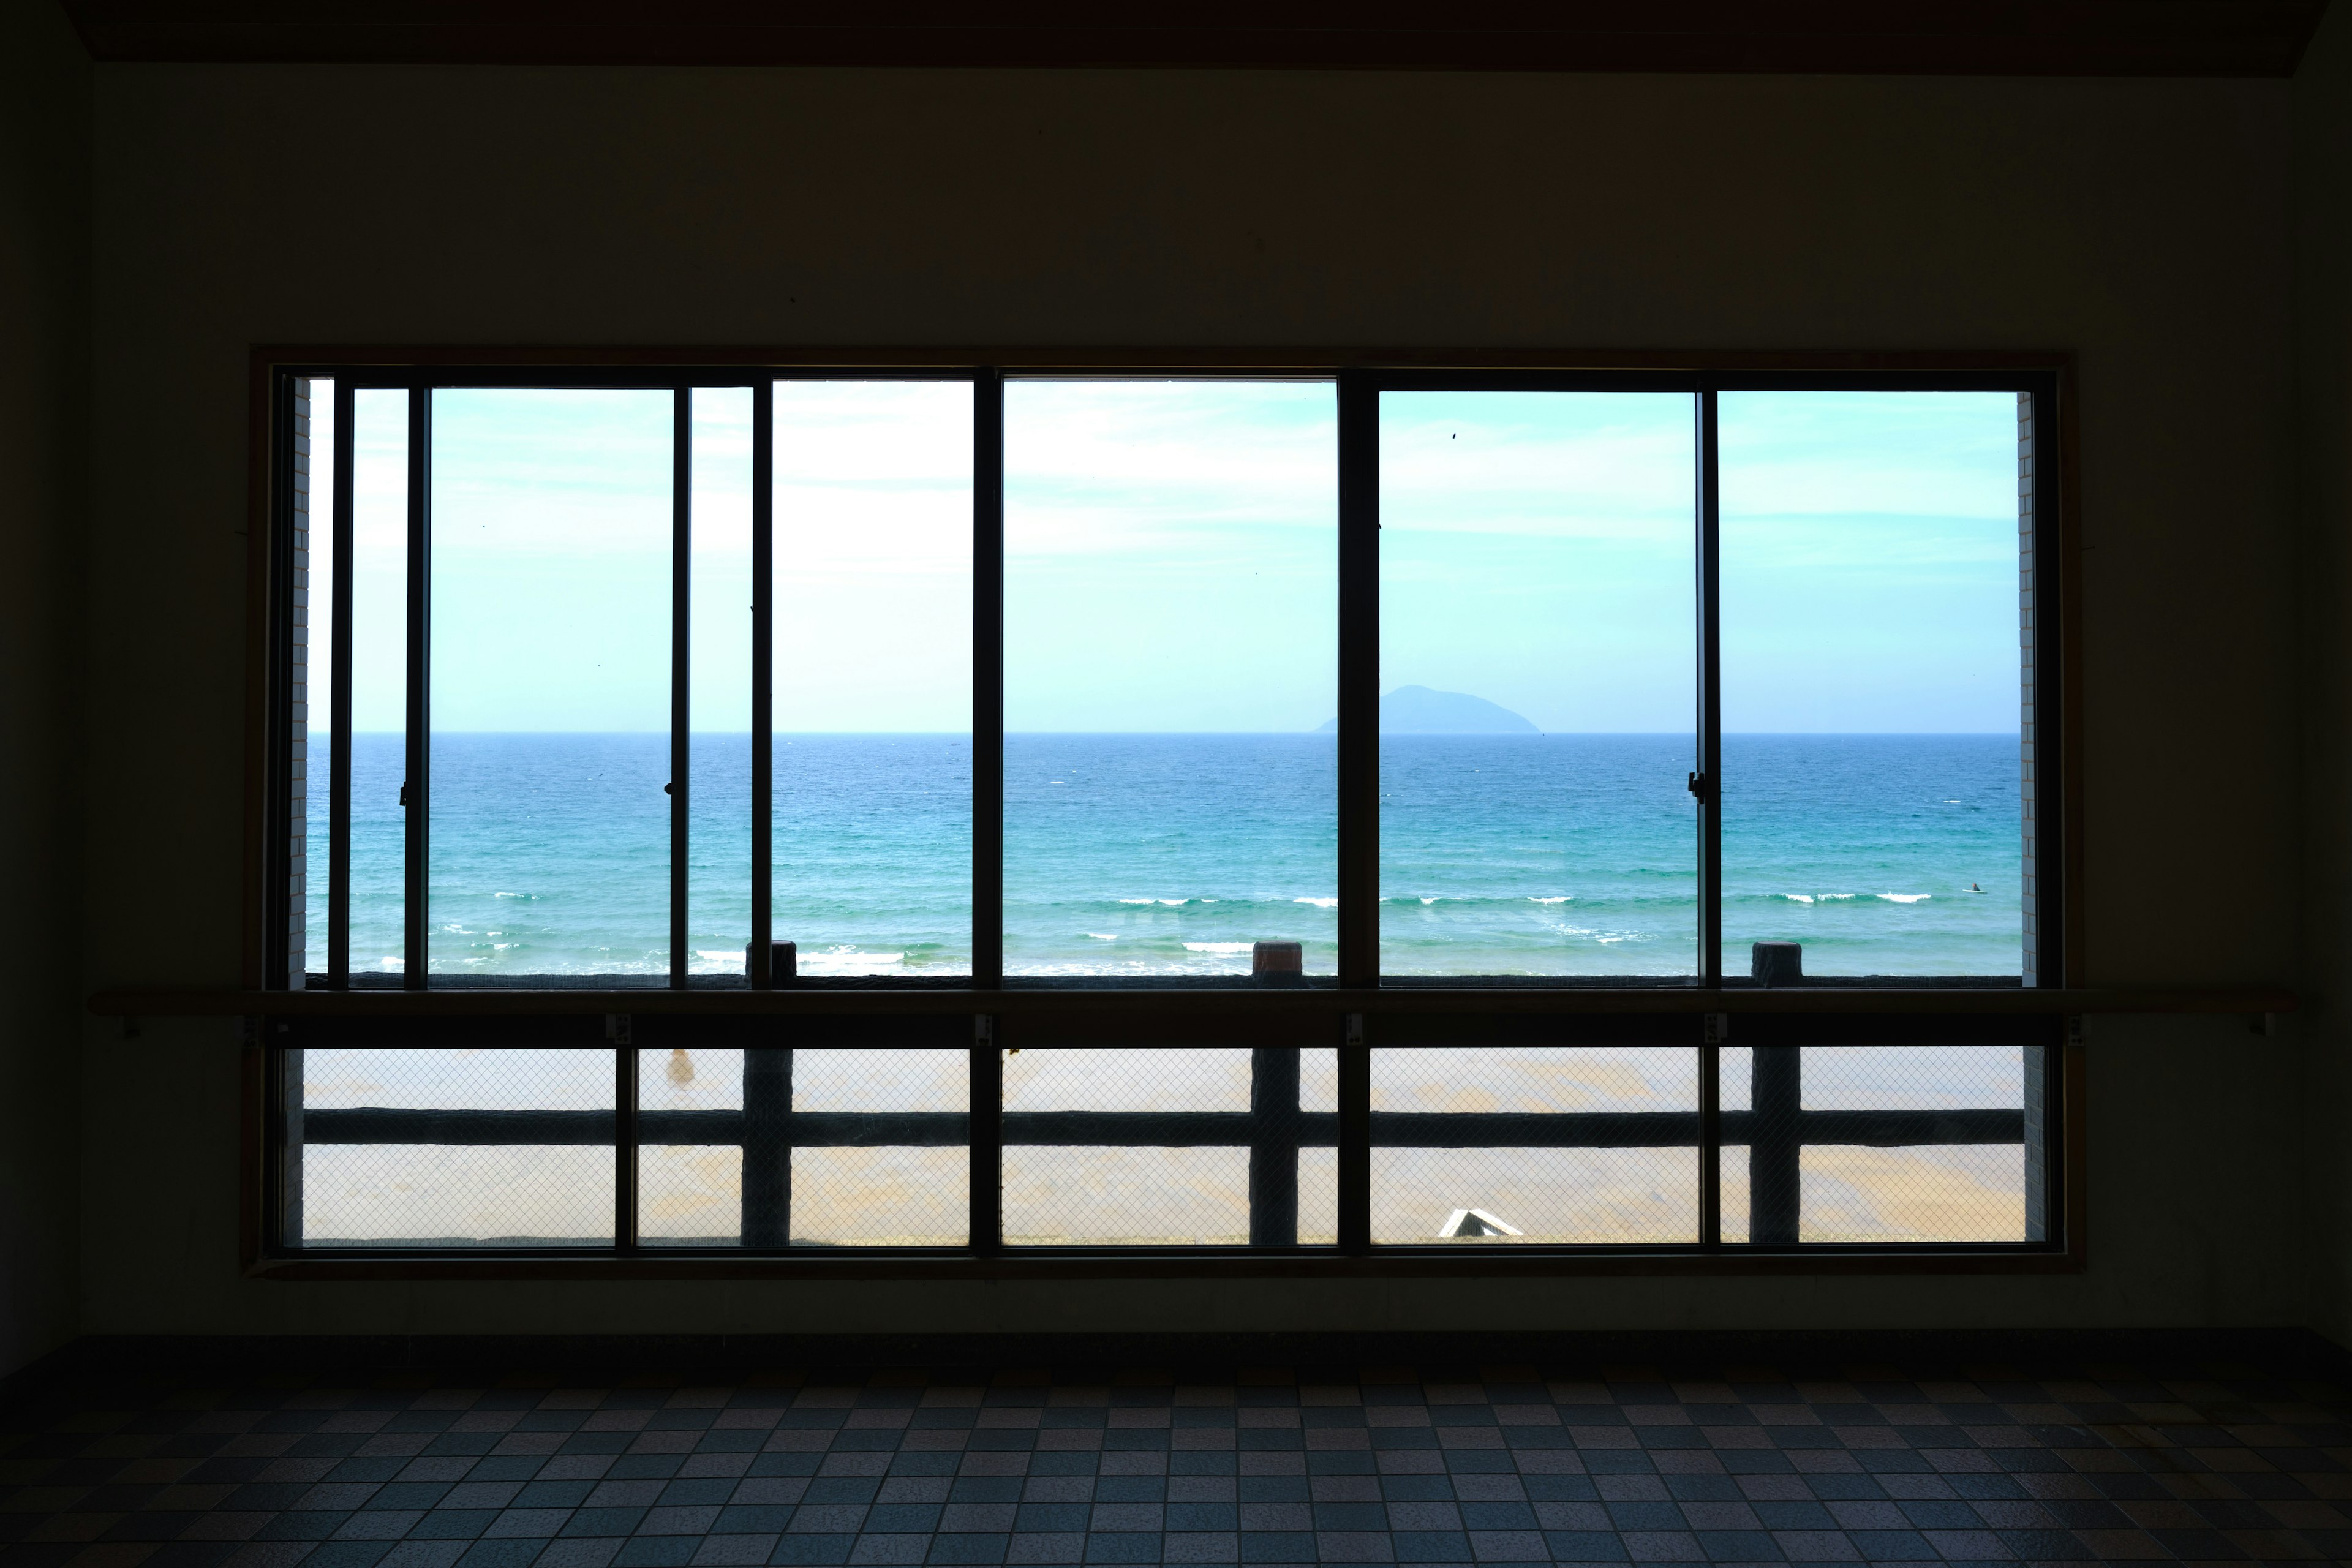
(1418, 710)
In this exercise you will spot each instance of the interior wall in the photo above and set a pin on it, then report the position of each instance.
(2323, 260)
(2143, 225)
(45, 121)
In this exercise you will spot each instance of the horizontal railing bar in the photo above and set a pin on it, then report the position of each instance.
(1299, 1002)
(1162, 1129)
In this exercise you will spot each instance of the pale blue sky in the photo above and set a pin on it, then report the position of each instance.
(1169, 557)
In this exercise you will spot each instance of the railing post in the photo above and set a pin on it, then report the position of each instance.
(986, 1139)
(1775, 1190)
(1273, 1146)
(1354, 1138)
(289, 1157)
(2037, 1144)
(767, 1146)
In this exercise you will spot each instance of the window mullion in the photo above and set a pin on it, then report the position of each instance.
(988, 678)
(415, 790)
(764, 695)
(681, 691)
(1710, 695)
(1359, 680)
(339, 700)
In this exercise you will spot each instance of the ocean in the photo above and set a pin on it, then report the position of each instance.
(1149, 855)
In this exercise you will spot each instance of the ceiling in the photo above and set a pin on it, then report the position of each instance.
(2039, 37)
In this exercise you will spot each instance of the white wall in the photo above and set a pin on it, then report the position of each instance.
(2144, 225)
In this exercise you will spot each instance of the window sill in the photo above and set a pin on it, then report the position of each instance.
(1959, 999)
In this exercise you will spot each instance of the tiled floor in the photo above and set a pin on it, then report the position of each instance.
(1260, 1466)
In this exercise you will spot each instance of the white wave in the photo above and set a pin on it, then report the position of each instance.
(1318, 903)
(1099, 935)
(845, 959)
(1833, 897)
(1561, 900)
(1796, 898)
(392, 963)
(1218, 946)
(1904, 897)
(514, 895)
(1170, 903)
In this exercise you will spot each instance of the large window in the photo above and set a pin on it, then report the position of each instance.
(1416, 767)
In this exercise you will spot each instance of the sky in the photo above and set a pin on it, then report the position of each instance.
(1169, 557)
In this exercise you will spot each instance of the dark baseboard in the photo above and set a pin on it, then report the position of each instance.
(2291, 1352)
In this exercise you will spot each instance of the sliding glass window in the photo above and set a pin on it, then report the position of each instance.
(1538, 658)
(1171, 793)
(1031, 688)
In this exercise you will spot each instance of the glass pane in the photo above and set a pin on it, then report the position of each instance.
(858, 1192)
(873, 675)
(1078, 1172)
(719, 842)
(842, 1166)
(1538, 674)
(1858, 1144)
(315, 645)
(426, 1148)
(1871, 682)
(1170, 798)
(550, 681)
(379, 641)
(1501, 1145)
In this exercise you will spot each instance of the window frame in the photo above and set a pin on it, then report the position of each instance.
(1469, 1008)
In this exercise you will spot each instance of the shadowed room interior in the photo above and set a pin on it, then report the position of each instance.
(1365, 1233)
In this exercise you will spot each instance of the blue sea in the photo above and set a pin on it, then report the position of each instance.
(1169, 855)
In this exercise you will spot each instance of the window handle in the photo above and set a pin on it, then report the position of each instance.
(1698, 787)
(403, 792)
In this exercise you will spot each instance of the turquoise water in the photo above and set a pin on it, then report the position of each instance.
(1169, 855)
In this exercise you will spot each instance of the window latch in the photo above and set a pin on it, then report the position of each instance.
(403, 792)
(1698, 787)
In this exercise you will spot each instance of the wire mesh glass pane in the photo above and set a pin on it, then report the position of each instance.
(873, 675)
(1588, 1145)
(1863, 1144)
(866, 1190)
(453, 1148)
(1537, 659)
(378, 639)
(826, 1137)
(1111, 1148)
(1873, 682)
(691, 1147)
(551, 711)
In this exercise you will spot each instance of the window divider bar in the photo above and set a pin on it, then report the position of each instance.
(624, 1142)
(987, 697)
(763, 682)
(1355, 1153)
(1710, 691)
(1710, 1142)
(1359, 688)
(985, 1224)
(339, 701)
(681, 685)
(416, 789)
